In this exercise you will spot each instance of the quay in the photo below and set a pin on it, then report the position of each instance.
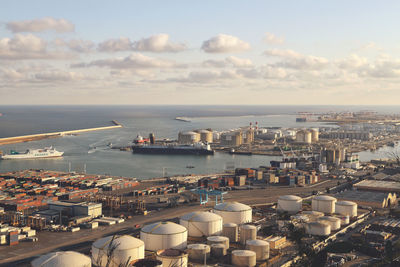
(34, 137)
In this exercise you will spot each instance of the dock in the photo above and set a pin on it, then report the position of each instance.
(35, 137)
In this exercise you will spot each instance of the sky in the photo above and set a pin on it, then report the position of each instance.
(199, 52)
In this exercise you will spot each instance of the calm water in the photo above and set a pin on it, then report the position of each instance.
(142, 119)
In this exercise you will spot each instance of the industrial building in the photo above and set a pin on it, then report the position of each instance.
(77, 209)
(378, 186)
(352, 135)
(370, 199)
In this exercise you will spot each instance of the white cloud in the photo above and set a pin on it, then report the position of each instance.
(230, 61)
(158, 43)
(206, 77)
(80, 46)
(39, 25)
(59, 75)
(224, 43)
(271, 38)
(133, 61)
(115, 45)
(293, 60)
(352, 62)
(23, 47)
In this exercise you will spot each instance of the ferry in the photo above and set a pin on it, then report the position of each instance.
(192, 149)
(47, 152)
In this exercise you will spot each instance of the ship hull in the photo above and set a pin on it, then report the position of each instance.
(16, 157)
(171, 151)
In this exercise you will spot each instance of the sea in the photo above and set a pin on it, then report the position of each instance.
(90, 151)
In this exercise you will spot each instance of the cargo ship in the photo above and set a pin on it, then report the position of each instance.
(47, 152)
(192, 149)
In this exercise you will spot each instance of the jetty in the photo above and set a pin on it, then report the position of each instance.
(35, 137)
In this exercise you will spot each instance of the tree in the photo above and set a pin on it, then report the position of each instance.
(395, 155)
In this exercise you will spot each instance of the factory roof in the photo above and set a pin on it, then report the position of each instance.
(363, 196)
(385, 186)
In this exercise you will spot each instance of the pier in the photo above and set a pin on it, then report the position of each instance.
(35, 137)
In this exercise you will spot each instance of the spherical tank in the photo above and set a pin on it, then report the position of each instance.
(346, 208)
(247, 232)
(197, 252)
(234, 212)
(260, 247)
(123, 248)
(62, 259)
(201, 223)
(323, 203)
(289, 203)
(164, 235)
(172, 257)
(245, 258)
(218, 240)
(231, 230)
(332, 221)
(318, 228)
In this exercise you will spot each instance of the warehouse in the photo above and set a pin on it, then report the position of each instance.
(371, 199)
(379, 186)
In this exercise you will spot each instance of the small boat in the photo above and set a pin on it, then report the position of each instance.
(190, 167)
(184, 119)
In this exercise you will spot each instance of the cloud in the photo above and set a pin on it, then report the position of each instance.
(293, 60)
(76, 45)
(40, 25)
(352, 62)
(58, 75)
(224, 44)
(23, 47)
(158, 43)
(133, 61)
(230, 61)
(115, 45)
(270, 38)
(206, 77)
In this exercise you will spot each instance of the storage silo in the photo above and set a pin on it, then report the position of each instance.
(318, 228)
(62, 259)
(231, 230)
(172, 257)
(124, 248)
(344, 219)
(244, 258)
(260, 247)
(289, 203)
(332, 221)
(346, 208)
(218, 250)
(234, 212)
(164, 235)
(188, 137)
(323, 203)
(206, 136)
(202, 223)
(300, 136)
(314, 135)
(197, 252)
(218, 240)
(307, 137)
(247, 232)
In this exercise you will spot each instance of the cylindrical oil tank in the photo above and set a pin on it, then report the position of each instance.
(202, 223)
(188, 137)
(234, 212)
(289, 203)
(332, 221)
(164, 235)
(206, 136)
(172, 257)
(323, 203)
(307, 137)
(197, 252)
(247, 232)
(315, 135)
(300, 136)
(62, 259)
(148, 263)
(123, 248)
(346, 208)
(319, 228)
(260, 247)
(244, 258)
(218, 240)
(313, 215)
(231, 231)
(218, 250)
(344, 219)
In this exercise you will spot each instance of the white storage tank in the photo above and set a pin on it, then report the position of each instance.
(247, 232)
(218, 250)
(201, 223)
(188, 137)
(197, 252)
(318, 228)
(307, 137)
(124, 248)
(344, 219)
(245, 258)
(234, 212)
(62, 259)
(218, 240)
(260, 247)
(289, 203)
(206, 136)
(332, 221)
(323, 203)
(315, 135)
(231, 230)
(346, 208)
(172, 257)
(164, 235)
(312, 214)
